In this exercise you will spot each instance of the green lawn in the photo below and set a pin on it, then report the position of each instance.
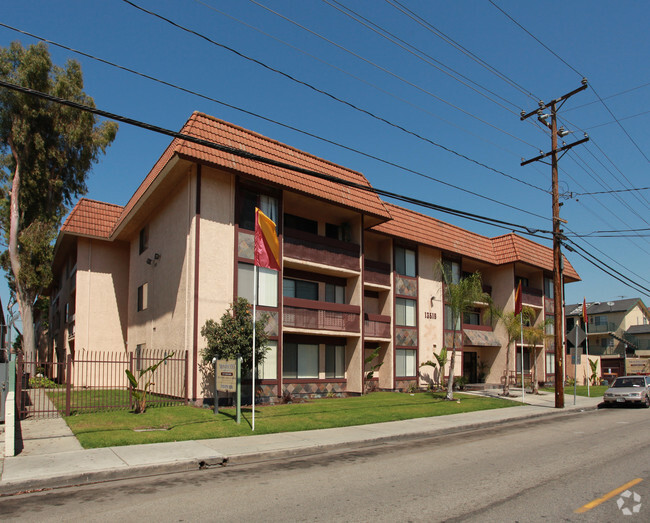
(160, 424)
(597, 391)
(97, 400)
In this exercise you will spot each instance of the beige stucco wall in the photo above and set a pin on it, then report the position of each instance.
(216, 256)
(634, 317)
(430, 311)
(166, 323)
(101, 296)
(501, 279)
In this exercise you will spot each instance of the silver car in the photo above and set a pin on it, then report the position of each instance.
(629, 389)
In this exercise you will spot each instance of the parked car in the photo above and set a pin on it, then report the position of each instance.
(629, 389)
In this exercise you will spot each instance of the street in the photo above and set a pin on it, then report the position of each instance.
(530, 471)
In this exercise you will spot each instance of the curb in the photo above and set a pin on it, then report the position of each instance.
(194, 464)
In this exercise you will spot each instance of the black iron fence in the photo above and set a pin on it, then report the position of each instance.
(97, 381)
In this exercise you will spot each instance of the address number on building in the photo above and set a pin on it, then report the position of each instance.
(430, 315)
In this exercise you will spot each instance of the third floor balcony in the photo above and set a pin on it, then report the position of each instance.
(304, 246)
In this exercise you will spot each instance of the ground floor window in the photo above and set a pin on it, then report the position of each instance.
(550, 363)
(268, 369)
(334, 361)
(526, 361)
(405, 363)
(300, 360)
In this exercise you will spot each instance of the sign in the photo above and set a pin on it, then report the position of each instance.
(573, 355)
(576, 335)
(227, 375)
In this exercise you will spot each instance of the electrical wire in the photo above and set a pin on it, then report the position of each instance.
(275, 163)
(284, 125)
(323, 92)
(612, 191)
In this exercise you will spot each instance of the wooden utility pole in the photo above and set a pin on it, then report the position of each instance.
(557, 231)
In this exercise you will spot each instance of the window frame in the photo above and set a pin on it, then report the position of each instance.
(406, 302)
(406, 261)
(399, 364)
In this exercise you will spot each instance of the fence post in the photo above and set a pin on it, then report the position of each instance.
(19, 385)
(131, 404)
(68, 384)
(187, 367)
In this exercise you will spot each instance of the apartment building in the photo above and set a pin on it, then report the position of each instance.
(357, 272)
(615, 329)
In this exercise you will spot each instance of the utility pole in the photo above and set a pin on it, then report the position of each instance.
(554, 105)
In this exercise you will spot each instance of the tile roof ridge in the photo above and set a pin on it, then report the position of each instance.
(276, 142)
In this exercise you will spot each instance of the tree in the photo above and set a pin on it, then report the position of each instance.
(46, 151)
(233, 335)
(460, 297)
(512, 324)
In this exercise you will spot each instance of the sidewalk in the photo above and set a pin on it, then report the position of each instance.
(52, 457)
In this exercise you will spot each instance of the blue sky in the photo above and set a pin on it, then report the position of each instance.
(317, 43)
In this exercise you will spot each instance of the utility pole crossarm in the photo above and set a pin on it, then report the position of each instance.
(564, 148)
(562, 98)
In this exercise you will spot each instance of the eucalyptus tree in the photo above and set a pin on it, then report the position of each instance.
(46, 151)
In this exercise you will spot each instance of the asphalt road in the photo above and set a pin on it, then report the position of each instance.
(534, 471)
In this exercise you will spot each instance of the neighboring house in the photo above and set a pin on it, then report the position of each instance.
(357, 273)
(616, 329)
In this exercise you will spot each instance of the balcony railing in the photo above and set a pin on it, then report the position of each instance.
(531, 296)
(376, 272)
(376, 326)
(600, 328)
(319, 315)
(311, 247)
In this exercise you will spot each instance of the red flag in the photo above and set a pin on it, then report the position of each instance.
(584, 310)
(518, 301)
(267, 245)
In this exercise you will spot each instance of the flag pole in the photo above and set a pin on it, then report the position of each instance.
(254, 337)
(584, 315)
(521, 330)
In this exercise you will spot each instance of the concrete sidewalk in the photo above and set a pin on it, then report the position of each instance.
(52, 457)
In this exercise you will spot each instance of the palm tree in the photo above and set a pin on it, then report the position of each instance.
(460, 297)
(512, 323)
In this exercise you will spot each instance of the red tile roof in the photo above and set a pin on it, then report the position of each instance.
(500, 250)
(92, 218)
(224, 133)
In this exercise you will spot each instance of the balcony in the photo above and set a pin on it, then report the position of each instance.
(531, 296)
(318, 315)
(600, 328)
(318, 249)
(376, 326)
(376, 273)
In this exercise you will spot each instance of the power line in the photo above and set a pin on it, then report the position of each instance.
(608, 97)
(284, 125)
(275, 163)
(611, 191)
(321, 91)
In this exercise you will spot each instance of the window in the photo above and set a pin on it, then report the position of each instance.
(452, 270)
(144, 239)
(306, 290)
(247, 201)
(268, 369)
(606, 342)
(334, 231)
(291, 221)
(267, 284)
(405, 312)
(405, 261)
(449, 325)
(334, 361)
(524, 281)
(472, 317)
(334, 293)
(549, 328)
(526, 361)
(548, 287)
(143, 297)
(598, 320)
(405, 362)
(550, 363)
(300, 360)
(139, 348)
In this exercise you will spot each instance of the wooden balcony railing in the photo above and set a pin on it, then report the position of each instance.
(311, 247)
(319, 315)
(531, 296)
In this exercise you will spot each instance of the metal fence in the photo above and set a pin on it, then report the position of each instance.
(97, 381)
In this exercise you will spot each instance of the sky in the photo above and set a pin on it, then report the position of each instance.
(422, 96)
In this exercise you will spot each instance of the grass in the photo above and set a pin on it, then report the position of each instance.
(597, 391)
(161, 424)
(96, 400)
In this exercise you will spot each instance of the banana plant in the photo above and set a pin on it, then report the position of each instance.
(138, 393)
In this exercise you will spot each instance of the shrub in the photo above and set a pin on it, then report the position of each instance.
(39, 382)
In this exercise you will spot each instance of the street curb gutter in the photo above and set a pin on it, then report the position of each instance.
(188, 465)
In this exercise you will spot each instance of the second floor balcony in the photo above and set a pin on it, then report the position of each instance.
(599, 328)
(320, 316)
(376, 326)
(304, 246)
(532, 296)
(376, 273)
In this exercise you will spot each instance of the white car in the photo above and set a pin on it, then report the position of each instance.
(629, 389)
